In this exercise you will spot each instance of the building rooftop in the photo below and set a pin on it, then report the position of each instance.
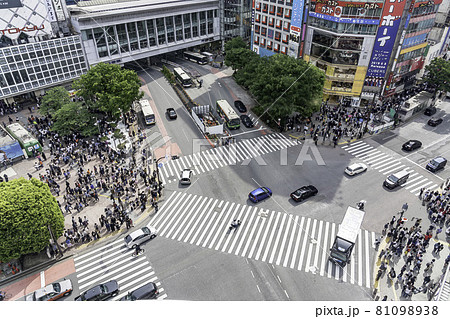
(107, 7)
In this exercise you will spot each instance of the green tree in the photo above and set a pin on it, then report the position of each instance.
(235, 43)
(240, 57)
(111, 88)
(438, 74)
(27, 209)
(74, 117)
(53, 100)
(284, 85)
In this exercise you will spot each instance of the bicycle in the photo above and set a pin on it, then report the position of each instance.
(4, 295)
(141, 251)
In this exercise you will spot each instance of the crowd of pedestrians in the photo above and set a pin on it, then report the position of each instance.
(411, 244)
(78, 171)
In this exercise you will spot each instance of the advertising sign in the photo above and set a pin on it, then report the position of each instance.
(384, 43)
(343, 20)
(6, 4)
(296, 27)
(415, 40)
(335, 8)
(50, 11)
(58, 9)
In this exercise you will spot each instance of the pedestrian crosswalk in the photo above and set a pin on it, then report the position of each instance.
(231, 154)
(115, 261)
(388, 164)
(278, 238)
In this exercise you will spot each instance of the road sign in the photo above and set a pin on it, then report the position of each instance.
(160, 165)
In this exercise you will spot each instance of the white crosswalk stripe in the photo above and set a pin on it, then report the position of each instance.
(283, 239)
(387, 164)
(218, 157)
(114, 261)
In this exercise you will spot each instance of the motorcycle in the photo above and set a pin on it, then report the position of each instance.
(235, 224)
(360, 205)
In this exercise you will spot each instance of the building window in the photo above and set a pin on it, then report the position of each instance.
(258, 6)
(264, 20)
(161, 31)
(122, 36)
(170, 30)
(258, 17)
(194, 20)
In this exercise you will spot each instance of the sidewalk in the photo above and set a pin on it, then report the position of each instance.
(94, 210)
(426, 282)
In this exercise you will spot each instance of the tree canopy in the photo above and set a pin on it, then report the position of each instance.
(281, 84)
(111, 88)
(27, 208)
(53, 100)
(438, 74)
(235, 43)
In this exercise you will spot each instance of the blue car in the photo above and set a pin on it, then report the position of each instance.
(259, 194)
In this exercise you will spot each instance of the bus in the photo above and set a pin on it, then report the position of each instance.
(25, 139)
(195, 57)
(147, 112)
(182, 77)
(229, 115)
(208, 55)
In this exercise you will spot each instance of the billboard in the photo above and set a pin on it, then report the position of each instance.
(296, 27)
(6, 4)
(385, 39)
(32, 19)
(335, 8)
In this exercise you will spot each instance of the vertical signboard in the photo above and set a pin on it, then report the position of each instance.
(385, 39)
(59, 10)
(50, 11)
(296, 27)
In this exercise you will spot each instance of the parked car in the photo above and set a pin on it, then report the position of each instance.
(51, 292)
(355, 169)
(436, 164)
(303, 193)
(259, 194)
(171, 113)
(430, 110)
(186, 176)
(434, 121)
(147, 291)
(139, 236)
(246, 120)
(240, 106)
(100, 292)
(411, 145)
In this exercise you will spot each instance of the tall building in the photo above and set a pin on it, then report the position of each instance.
(37, 49)
(367, 49)
(116, 31)
(236, 19)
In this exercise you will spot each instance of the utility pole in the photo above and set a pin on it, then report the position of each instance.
(54, 240)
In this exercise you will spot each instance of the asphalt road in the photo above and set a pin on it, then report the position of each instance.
(280, 250)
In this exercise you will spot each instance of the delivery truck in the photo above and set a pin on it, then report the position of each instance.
(346, 237)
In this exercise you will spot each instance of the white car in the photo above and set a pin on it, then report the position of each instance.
(185, 176)
(51, 292)
(139, 236)
(355, 169)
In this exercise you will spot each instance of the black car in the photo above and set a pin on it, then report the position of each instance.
(240, 106)
(430, 110)
(147, 291)
(100, 292)
(171, 113)
(304, 192)
(434, 121)
(246, 121)
(411, 145)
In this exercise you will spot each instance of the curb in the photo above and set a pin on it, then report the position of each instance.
(32, 270)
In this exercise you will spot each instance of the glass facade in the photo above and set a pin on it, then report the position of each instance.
(142, 35)
(30, 67)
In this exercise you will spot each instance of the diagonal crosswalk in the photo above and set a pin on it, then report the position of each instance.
(283, 239)
(214, 158)
(115, 261)
(388, 164)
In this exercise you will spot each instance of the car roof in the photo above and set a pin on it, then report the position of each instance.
(439, 159)
(144, 289)
(185, 173)
(257, 191)
(94, 291)
(136, 233)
